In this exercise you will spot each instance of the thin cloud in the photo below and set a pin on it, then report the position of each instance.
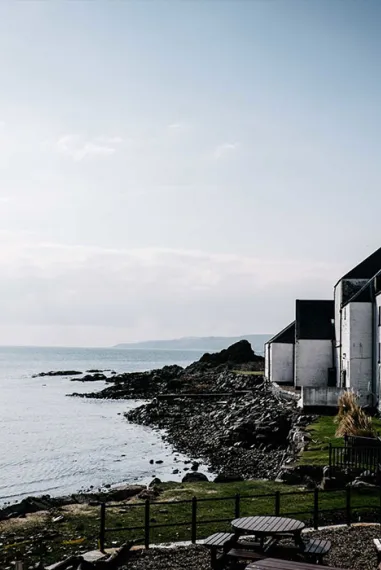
(177, 127)
(77, 148)
(224, 149)
(109, 140)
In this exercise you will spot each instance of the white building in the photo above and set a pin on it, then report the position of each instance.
(333, 345)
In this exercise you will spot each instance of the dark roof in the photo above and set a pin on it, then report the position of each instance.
(367, 291)
(364, 295)
(366, 269)
(314, 319)
(350, 288)
(287, 335)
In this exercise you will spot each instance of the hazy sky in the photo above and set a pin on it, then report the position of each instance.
(182, 168)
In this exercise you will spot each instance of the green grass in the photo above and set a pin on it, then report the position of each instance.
(322, 433)
(22, 538)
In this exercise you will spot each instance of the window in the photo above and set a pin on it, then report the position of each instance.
(379, 316)
(379, 352)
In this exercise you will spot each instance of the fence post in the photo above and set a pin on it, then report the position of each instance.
(316, 508)
(237, 506)
(277, 503)
(103, 528)
(330, 459)
(146, 524)
(194, 520)
(348, 505)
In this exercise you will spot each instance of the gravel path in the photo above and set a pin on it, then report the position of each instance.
(352, 548)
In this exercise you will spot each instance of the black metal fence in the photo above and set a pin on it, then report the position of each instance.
(315, 507)
(355, 458)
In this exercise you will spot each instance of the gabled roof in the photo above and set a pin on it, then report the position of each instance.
(366, 269)
(286, 335)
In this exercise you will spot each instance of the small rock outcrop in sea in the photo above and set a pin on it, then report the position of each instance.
(57, 373)
(238, 353)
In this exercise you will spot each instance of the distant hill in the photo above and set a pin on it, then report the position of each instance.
(207, 344)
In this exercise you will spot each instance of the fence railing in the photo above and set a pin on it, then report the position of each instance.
(322, 505)
(355, 458)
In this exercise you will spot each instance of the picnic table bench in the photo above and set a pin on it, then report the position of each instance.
(278, 564)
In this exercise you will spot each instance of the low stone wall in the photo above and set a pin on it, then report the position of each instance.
(326, 397)
(320, 397)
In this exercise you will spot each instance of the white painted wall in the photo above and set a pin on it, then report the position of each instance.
(377, 364)
(282, 362)
(359, 355)
(356, 284)
(317, 397)
(345, 347)
(338, 332)
(267, 361)
(312, 360)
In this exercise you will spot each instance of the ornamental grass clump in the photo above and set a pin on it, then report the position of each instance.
(351, 418)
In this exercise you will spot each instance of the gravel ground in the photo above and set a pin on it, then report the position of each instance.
(352, 549)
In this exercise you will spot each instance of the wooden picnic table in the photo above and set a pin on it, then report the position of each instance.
(278, 564)
(275, 527)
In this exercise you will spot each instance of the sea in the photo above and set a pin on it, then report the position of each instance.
(51, 443)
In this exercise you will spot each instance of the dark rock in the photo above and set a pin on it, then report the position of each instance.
(91, 378)
(238, 353)
(195, 466)
(228, 478)
(194, 478)
(300, 474)
(155, 481)
(58, 373)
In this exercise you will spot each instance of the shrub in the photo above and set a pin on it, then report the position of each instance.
(351, 418)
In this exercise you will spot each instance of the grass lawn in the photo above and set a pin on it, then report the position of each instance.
(322, 433)
(79, 530)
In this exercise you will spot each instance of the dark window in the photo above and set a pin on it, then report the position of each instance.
(379, 316)
(379, 352)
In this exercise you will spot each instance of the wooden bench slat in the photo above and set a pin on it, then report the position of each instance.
(242, 553)
(218, 539)
(317, 547)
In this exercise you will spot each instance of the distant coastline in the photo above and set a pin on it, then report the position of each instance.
(212, 343)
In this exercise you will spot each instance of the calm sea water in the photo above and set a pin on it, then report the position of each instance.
(54, 444)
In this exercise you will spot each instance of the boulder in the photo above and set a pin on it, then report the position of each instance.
(227, 478)
(300, 474)
(194, 477)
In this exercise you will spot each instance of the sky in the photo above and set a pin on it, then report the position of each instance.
(182, 168)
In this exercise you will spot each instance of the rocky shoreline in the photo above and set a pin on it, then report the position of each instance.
(91, 498)
(239, 436)
(219, 409)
